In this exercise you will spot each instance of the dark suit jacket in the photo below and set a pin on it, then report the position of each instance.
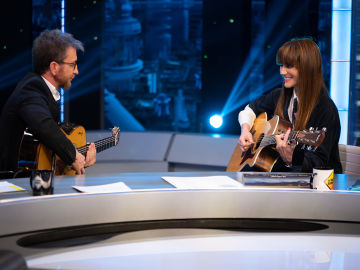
(32, 106)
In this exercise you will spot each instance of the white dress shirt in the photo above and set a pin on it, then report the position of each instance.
(55, 93)
(248, 116)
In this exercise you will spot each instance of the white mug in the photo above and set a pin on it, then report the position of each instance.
(323, 178)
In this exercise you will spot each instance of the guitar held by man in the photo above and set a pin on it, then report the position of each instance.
(36, 156)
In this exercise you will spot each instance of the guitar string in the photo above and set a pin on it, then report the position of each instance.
(100, 145)
(103, 142)
(99, 148)
(270, 139)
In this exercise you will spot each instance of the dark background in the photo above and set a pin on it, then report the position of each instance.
(225, 48)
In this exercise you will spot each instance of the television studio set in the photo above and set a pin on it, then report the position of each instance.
(180, 134)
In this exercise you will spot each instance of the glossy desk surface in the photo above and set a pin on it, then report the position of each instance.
(177, 236)
(141, 181)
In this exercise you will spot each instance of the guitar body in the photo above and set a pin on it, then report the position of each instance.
(44, 158)
(77, 136)
(260, 157)
(36, 156)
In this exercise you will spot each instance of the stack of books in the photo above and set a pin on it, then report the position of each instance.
(287, 180)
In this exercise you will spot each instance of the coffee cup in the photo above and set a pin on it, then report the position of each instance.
(322, 178)
(41, 182)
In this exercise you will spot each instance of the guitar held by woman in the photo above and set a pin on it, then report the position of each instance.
(303, 101)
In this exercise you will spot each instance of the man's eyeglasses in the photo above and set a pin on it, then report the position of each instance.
(73, 64)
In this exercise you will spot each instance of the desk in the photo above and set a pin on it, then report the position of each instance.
(136, 181)
(158, 227)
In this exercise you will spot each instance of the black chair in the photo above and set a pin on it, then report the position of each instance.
(10, 260)
(6, 174)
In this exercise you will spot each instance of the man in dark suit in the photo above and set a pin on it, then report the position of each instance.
(33, 104)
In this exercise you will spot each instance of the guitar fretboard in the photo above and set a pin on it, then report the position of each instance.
(267, 140)
(100, 145)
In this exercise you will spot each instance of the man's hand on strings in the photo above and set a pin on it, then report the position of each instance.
(79, 163)
(90, 155)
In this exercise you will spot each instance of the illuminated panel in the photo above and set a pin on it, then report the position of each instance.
(340, 61)
(62, 110)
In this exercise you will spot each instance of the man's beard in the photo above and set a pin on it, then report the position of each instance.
(66, 85)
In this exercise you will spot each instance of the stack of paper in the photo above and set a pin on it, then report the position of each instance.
(6, 186)
(203, 182)
(109, 188)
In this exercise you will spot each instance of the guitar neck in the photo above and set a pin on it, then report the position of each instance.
(270, 139)
(100, 145)
(311, 138)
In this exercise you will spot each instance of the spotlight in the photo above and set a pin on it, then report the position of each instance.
(216, 121)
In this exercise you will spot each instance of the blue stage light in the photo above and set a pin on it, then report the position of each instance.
(243, 90)
(216, 121)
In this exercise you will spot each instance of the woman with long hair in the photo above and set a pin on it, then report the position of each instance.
(304, 101)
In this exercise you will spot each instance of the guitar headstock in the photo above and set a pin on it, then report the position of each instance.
(310, 138)
(115, 133)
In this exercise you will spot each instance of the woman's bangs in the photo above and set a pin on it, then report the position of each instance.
(287, 56)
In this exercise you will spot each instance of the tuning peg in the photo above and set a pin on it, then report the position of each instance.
(303, 147)
(314, 149)
(311, 129)
(324, 129)
(308, 148)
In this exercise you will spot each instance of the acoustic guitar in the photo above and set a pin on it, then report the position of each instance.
(262, 154)
(36, 156)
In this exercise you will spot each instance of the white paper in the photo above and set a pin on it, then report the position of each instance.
(6, 186)
(203, 182)
(115, 187)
